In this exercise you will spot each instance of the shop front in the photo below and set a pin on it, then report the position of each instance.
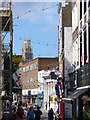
(41, 99)
(30, 95)
(79, 104)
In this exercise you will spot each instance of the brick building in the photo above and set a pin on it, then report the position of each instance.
(29, 77)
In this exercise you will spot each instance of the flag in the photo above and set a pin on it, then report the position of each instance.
(16, 77)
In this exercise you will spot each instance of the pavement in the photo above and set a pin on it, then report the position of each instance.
(44, 116)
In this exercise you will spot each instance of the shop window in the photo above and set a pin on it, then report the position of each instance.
(80, 10)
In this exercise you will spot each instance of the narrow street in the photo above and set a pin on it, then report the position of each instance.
(45, 59)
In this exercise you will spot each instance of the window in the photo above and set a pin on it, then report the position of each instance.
(20, 69)
(81, 50)
(31, 79)
(27, 68)
(84, 7)
(23, 69)
(35, 65)
(31, 67)
(23, 80)
(89, 3)
(80, 10)
(35, 78)
(89, 41)
(85, 47)
(27, 79)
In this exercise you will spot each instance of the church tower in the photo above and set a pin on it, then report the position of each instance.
(27, 53)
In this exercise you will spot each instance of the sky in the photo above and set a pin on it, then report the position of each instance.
(32, 21)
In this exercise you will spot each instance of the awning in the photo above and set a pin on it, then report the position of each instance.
(76, 94)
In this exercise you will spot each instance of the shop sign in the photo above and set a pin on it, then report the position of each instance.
(34, 91)
(24, 92)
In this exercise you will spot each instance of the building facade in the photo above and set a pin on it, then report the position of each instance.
(65, 47)
(49, 91)
(78, 87)
(65, 21)
(30, 79)
(81, 46)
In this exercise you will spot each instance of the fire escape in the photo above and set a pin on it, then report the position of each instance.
(6, 26)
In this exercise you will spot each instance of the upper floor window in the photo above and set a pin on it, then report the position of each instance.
(35, 65)
(31, 78)
(35, 78)
(20, 69)
(84, 6)
(89, 3)
(80, 10)
(24, 80)
(31, 67)
(23, 69)
(27, 68)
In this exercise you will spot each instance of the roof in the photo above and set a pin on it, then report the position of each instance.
(38, 58)
(41, 58)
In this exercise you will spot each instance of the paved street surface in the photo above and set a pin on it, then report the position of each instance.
(44, 116)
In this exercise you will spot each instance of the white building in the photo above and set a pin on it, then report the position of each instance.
(80, 33)
(49, 90)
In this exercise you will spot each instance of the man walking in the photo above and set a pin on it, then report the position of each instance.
(38, 113)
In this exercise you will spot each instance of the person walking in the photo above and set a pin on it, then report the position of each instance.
(46, 105)
(31, 113)
(25, 113)
(38, 113)
(20, 112)
(51, 113)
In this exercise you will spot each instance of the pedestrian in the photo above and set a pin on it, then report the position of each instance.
(50, 114)
(46, 105)
(14, 114)
(20, 112)
(26, 113)
(38, 113)
(12, 110)
(31, 113)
